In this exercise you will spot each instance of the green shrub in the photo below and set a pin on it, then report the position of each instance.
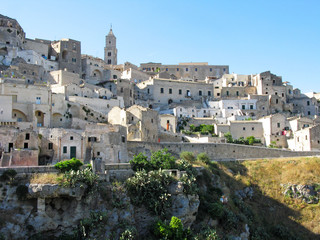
(128, 234)
(188, 156)
(68, 165)
(207, 234)
(8, 175)
(203, 157)
(140, 162)
(228, 137)
(161, 159)
(85, 176)
(174, 230)
(151, 190)
(215, 210)
(22, 192)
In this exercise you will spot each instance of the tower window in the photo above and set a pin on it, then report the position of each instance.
(161, 90)
(180, 91)
(109, 61)
(170, 90)
(109, 54)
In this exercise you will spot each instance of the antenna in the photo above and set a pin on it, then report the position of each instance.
(111, 26)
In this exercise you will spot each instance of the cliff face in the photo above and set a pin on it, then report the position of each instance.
(52, 211)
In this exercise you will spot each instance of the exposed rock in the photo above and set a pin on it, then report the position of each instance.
(306, 193)
(247, 192)
(54, 191)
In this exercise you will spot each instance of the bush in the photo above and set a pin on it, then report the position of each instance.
(22, 191)
(188, 156)
(173, 230)
(229, 138)
(8, 175)
(161, 159)
(85, 176)
(203, 157)
(140, 162)
(68, 165)
(151, 190)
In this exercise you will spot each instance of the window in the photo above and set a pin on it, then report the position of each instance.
(161, 90)
(64, 149)
(187, 69)
(98, 153)
(166, 69)
(170, 90)
(115, 76)
(306, 137)
(266, 92)
(243, 128)
(308, 103)
(252, 128)
(196, 69)
(177, 69)
(71, 137)
(39, 114)
(251, 106)
(109, 54)
(218, 94)
(168, 121)
(237, 93)
(200, 93)
(210, 69)
(227, 93)
(25, 145)
(278, 125)
(148, 90)
(27, 136)
(74, 60)
(309, 113)
(282, 94)
(121, 89)
(209, 93)
(123, 139)
(243, 106)
(151, 120)
(277, 101)
(204, 111)
(50, 146)
(276, 93)
(180, 91)
(109, 61)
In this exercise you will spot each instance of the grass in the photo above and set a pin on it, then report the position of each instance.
(266, 176)
(46, 178)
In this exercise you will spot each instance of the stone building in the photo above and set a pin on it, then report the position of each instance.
(161, 92)
(68, 54)
(93, 69)
(142, 123)
(11, 33)
(110, 50)
(188, 71)
(168, 122)
(306, 139)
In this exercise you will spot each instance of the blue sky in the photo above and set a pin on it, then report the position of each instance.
(250, 36)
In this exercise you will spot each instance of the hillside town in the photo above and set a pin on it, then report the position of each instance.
(58, 103)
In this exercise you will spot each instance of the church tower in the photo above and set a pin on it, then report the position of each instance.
(110, 51)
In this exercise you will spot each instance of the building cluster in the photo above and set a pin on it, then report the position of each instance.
(57, 103)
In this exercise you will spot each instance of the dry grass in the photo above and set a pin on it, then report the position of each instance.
(267, 175)
(46, 178)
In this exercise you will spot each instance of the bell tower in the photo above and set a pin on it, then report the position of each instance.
(110, 50)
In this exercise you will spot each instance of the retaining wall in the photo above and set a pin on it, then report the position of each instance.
(216, 151)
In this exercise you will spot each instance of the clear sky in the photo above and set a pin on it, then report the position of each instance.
(251, 36)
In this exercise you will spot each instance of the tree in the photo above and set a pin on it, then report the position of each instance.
(229, 138)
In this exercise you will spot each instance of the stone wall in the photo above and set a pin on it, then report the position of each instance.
(216, 151)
